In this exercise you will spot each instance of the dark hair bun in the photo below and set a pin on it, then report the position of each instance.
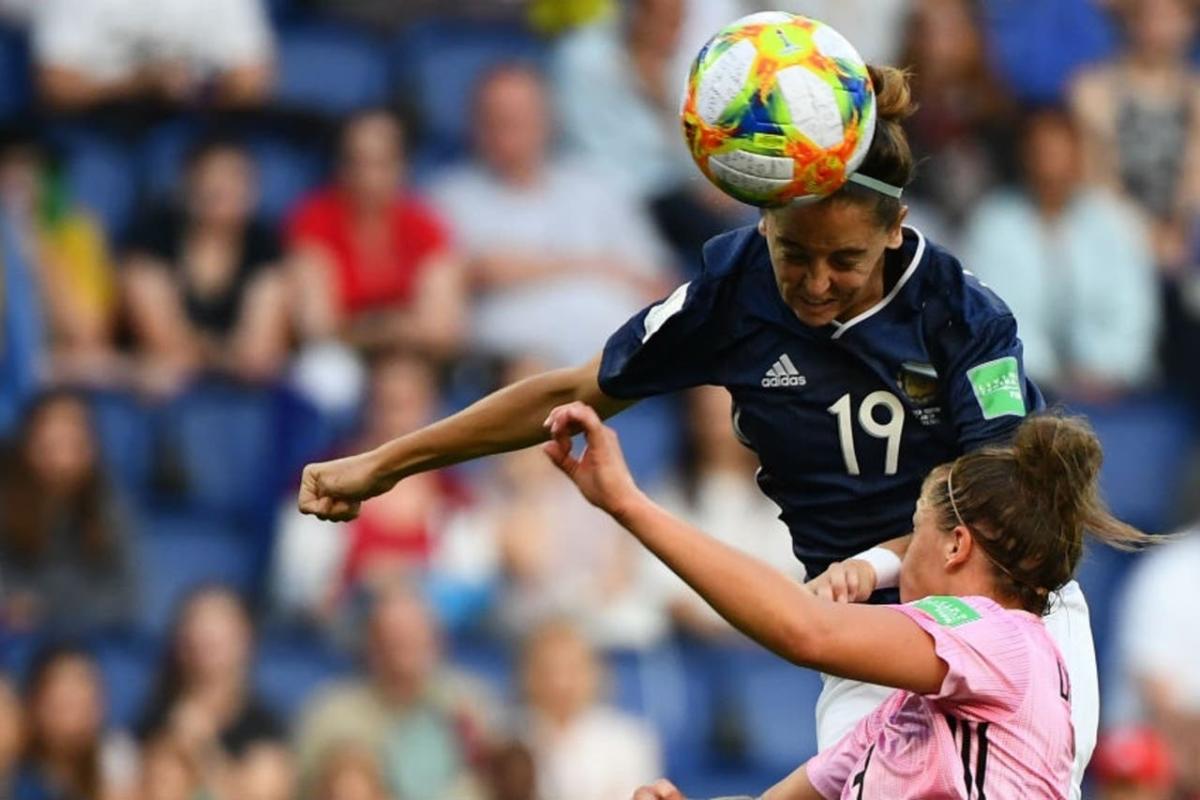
(1059, 458)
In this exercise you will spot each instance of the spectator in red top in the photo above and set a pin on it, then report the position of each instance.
(371, 264)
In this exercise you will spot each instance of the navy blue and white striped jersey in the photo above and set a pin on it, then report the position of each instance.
(846, 419)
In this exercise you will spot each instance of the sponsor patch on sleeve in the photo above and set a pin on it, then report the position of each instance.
(997, 387)
(948, 611)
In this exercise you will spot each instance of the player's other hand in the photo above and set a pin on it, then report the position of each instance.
(334, 490)
(662, 789)
(599, 471)
(850, 581)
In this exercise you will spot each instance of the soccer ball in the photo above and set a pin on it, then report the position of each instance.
(778, 108)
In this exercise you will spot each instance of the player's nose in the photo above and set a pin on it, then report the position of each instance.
(817, 281)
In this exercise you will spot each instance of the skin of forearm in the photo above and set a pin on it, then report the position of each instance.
(509, 419)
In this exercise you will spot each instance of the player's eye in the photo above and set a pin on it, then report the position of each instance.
(845, 263)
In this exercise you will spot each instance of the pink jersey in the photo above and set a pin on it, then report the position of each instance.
(999, 728)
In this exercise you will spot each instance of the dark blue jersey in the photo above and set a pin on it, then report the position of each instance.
(846, 419)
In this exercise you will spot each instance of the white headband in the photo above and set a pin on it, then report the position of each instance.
(876, 184)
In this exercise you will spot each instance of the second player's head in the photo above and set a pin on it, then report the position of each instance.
(1009, 521)
(828, 256)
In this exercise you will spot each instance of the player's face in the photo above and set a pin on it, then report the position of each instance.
(921, 571)
(828, 258)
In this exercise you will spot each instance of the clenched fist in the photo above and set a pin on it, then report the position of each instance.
(334, 490)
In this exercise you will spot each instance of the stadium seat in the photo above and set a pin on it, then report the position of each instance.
(129, 665)
(1037, 45)
(161, 156)
(776, 702)
(179, 552)
(330, 69)
(486, 659)
(101, 178)
(290, 668)
(224, 437)
(438, 63)
(1147, 441)
(286, 173)
(16, 80)
(124, 429)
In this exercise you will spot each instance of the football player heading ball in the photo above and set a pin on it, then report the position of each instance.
(859, 356)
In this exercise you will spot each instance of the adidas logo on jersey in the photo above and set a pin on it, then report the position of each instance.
(783, 373)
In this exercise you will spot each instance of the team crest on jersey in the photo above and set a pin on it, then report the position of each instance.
(919, 383)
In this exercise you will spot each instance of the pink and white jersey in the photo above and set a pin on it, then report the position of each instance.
(998, 729)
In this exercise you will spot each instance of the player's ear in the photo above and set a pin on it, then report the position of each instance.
(958, 547)
(762, 222)
(896, 234)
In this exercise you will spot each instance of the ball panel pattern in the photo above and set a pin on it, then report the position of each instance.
(778, 107)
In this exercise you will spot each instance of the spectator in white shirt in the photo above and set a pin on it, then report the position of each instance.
(582, 748)
(1158, 637)
(559, 257)
(93, 52)
(1073, 263)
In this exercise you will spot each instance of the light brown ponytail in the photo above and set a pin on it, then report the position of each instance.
(1029, 505)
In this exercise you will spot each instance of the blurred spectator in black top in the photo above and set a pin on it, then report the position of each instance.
(1141, 118)
(177, 52)
(10, 736)
(1140, 115)
(66, 560)
(69, 254)
(202, 280)
(67, 754)
(963, 113)
(203, 697)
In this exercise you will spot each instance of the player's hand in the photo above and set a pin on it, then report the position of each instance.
(599, 471)
(661, 789)
(334, 490)
(850, 581)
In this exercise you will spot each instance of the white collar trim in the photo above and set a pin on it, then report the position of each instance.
(842, 327)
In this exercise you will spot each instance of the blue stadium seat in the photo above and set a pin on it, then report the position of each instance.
(290, 669)
(487, 660)
(129, 665)
(776, 701)
(224, 436)
(179, 552)
(331, 69)
(100, 176)
(438, 63)
(161, 155)
(124, 429)
(1037, 45)
(16, 80)
(286, 173)
(1147, 442)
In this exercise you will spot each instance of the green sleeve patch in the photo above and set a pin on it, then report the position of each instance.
(948, 611)
(997, 387)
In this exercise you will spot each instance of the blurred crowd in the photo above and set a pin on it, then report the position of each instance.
(238, 235)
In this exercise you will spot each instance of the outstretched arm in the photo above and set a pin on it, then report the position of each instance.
(767, 606)
(508, 419)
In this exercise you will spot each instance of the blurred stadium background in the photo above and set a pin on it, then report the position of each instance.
(238, 235)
